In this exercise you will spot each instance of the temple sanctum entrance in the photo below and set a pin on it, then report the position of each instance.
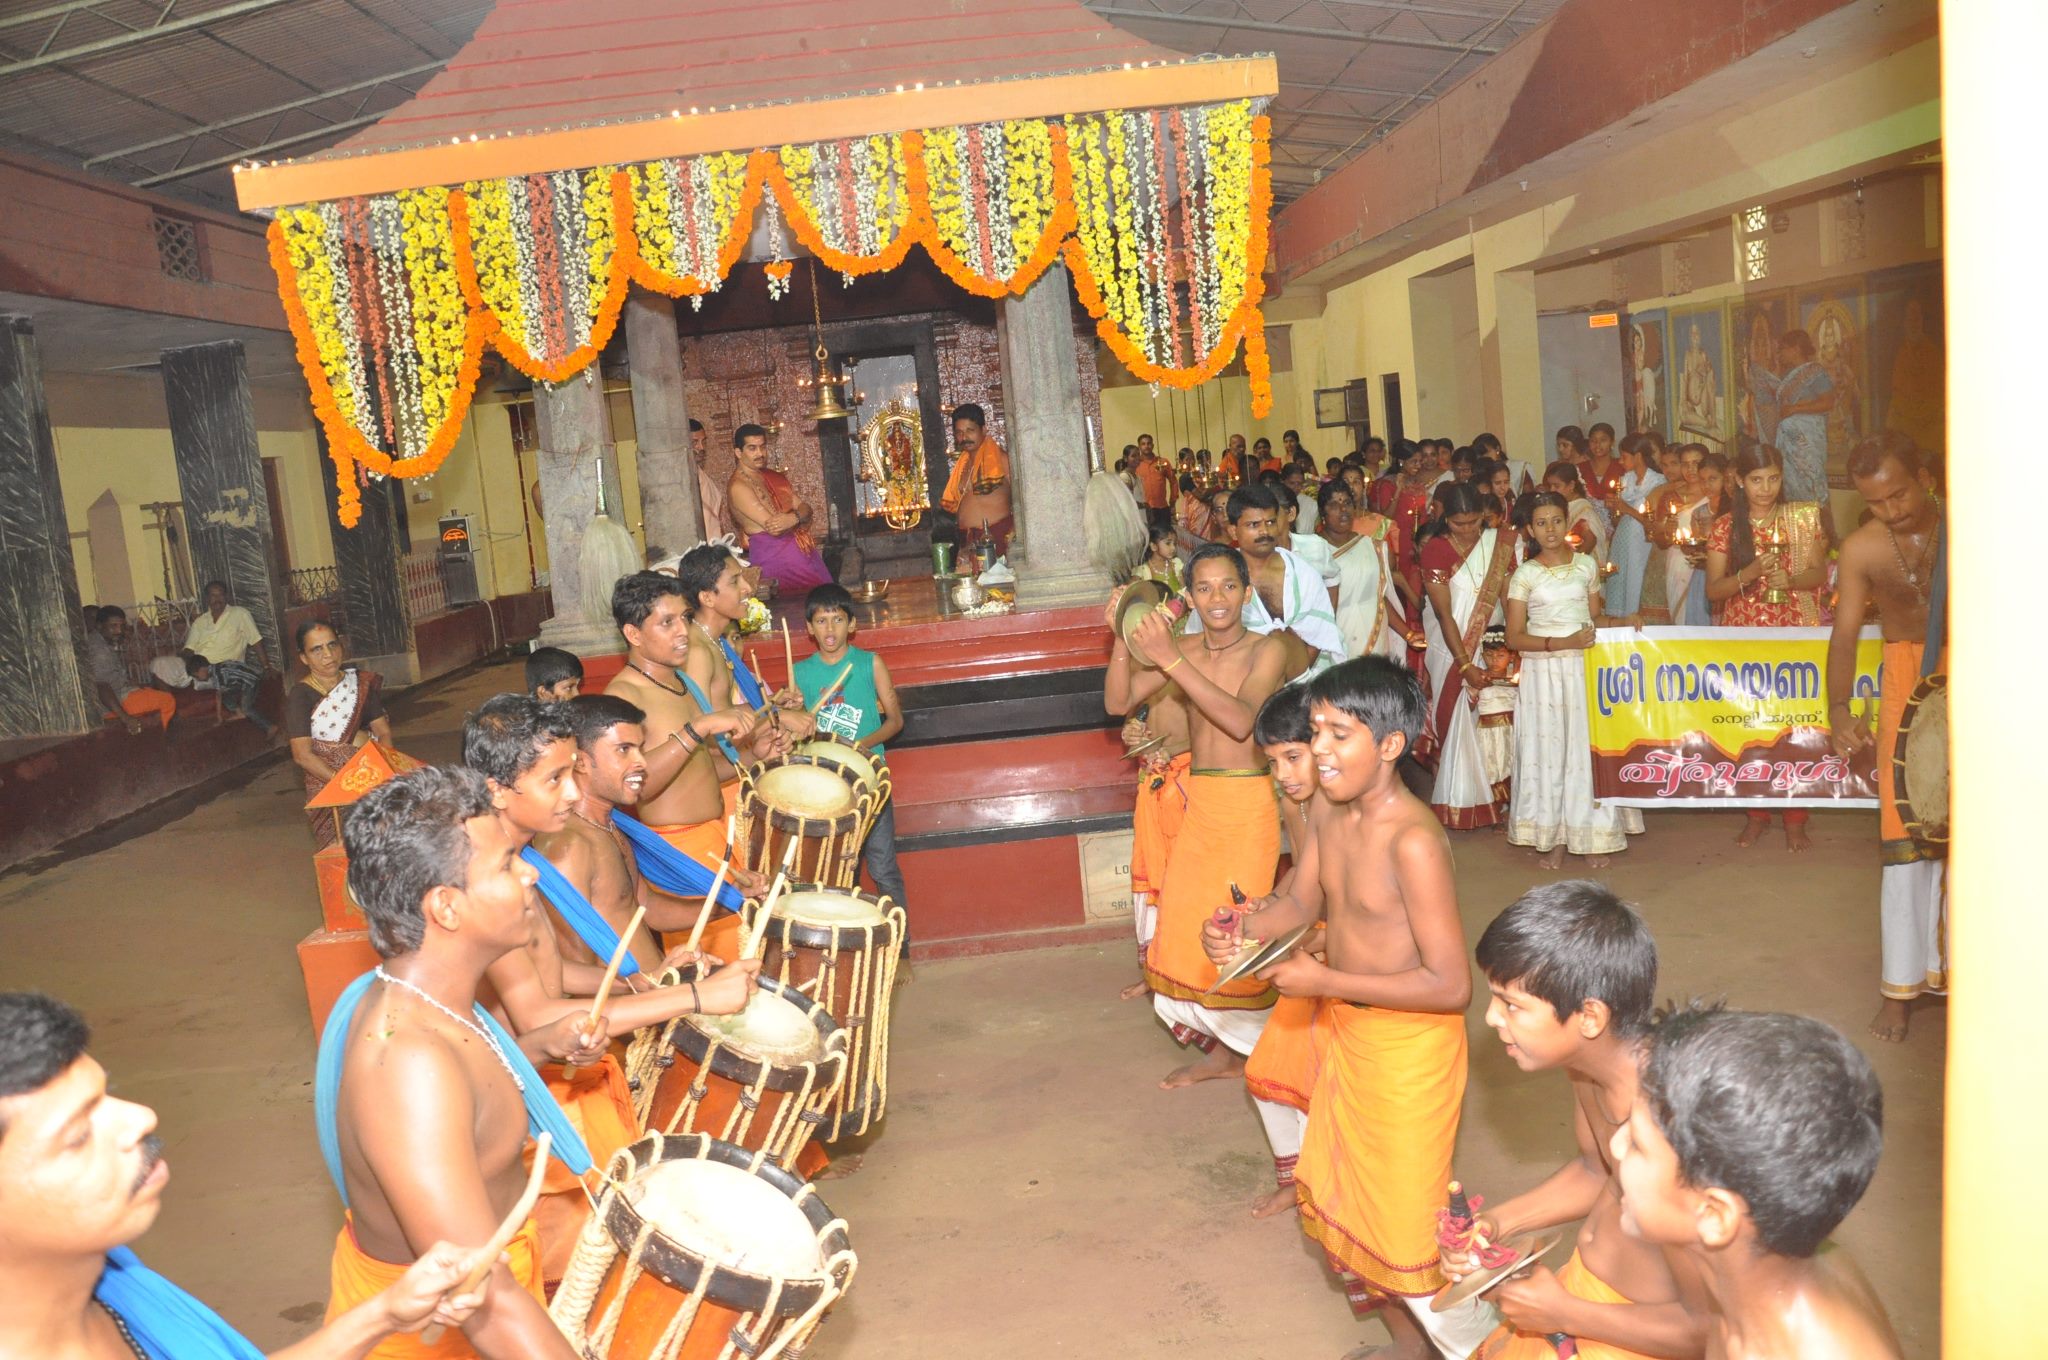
(885, 466)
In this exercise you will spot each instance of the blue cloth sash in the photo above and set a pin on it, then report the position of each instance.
(750, 686)
(167, 1322)
(588, 923)
(731, 753)
(542, 1113)
(668, 868)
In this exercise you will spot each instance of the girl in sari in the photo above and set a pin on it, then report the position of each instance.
(1671, 515)
(1715, 474)
(1586, 523)
(1552, 601)
(1768, 545)
(1465, 568)
(1803, 398)
(328, 715)
(1629, 549)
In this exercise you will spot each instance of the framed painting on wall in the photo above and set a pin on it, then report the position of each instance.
(1701, 412)
(1832, 315)
(1907, 352)
(1755, 321)
(1643, 364)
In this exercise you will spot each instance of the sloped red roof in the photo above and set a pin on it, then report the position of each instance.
(562, 84)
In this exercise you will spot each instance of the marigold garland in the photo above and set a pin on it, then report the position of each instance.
(391, 301)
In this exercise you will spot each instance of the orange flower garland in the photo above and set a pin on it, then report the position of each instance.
(1015, 151)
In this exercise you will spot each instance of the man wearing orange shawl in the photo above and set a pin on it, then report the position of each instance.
(978, 491)
(776, 521)
(1390, 1026)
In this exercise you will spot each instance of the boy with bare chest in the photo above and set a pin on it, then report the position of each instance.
(1230, 833)
(1573, 974)
(1390, 1030)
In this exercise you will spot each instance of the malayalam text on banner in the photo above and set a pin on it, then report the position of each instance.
(1724, 717)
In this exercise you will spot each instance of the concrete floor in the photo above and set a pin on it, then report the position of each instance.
(1031, 1192)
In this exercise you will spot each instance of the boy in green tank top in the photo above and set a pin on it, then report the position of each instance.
(865, 712)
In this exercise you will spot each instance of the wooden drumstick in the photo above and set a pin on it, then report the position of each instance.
(611, 973)
(717, 886)
(487, 1255)
(775, 889)
(832, 689)
(788, 655)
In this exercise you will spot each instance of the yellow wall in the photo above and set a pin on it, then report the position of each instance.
(1695, 174)
(1176, 418)
(112, 434)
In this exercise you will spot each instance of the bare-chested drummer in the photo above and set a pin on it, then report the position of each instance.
(1231, 831)
(680, 796)
(591, 853)
(82, 1175)
(424, 1110)
(715, 594)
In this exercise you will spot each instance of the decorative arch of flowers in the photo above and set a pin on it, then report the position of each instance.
(1161, 216)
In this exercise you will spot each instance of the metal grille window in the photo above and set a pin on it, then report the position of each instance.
(177, 249)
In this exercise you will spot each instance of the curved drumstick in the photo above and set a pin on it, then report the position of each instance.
(487, 1255)
(775, 890)
(832, 689)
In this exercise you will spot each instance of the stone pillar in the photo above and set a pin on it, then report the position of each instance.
(574, 453)
(671, 518)
(43, 686)
(220, 475)
(366, 562)
(1048, 445)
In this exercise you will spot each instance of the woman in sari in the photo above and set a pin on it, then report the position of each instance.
(1465, 570)
(1803, 398)
(1369, 613)
(329, 715)
(1766, 545)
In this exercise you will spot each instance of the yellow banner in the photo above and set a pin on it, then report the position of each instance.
(1730, 717)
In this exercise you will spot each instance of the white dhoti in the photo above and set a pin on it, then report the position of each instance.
(1913, 902)
(1236, 1029)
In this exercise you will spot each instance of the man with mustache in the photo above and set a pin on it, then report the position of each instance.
(82, 1175)
(1287, 595)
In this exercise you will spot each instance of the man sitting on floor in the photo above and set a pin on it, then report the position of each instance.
(121, 697)
(82, 1175)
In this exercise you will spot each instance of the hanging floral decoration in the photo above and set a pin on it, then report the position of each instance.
(691, 217)
(996, 200)
(1171, 213)
(547, 259)
(848, 202)
(380, 268)
(1160, 215)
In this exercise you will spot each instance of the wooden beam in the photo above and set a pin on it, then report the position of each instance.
(343, 175)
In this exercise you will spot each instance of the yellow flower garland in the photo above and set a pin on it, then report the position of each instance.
(1067, 185)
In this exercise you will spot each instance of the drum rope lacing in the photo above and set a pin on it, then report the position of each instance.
(597, 1250)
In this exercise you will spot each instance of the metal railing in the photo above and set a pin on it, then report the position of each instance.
(312, 585)
(420, 576)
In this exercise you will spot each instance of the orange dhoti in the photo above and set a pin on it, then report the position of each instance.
(705, 843)
(1155, 823)
(1377, 1155)
(1913, 896)
(150, 703)
(599, 1105)
(1508, 1344)
(356, 1278)
(1281, 1074)
(1231, 834)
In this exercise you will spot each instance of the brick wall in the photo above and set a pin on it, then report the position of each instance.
(740, 376)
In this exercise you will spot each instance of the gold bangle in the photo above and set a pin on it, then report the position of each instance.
(1176, 661)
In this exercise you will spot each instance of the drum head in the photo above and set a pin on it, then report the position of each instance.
(727, 1217)
(822, 908)
(1920, 766)
(857, 761)
(775, 1030)
(806, 790)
